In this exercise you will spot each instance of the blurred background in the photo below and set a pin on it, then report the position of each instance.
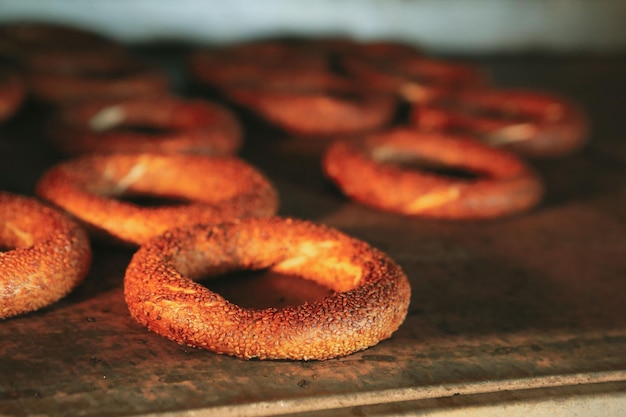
(447, 26)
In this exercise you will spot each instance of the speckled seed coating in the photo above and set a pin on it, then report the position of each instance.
(371, 299)
(187, 126)
(48, 255)
(504, 184)
(12, 93)
(217, 188)
(532, 123)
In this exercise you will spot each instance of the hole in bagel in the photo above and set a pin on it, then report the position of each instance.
(266, 289)
(427, 165)
(148, 131)
(145, 200)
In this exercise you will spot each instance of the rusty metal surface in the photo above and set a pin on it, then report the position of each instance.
(536, 301)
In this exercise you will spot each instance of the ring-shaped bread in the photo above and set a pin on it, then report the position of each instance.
(319, 113)
(293, 86)
(165, 124)
(373, 170)
(98, 191)
(532, 123)
(100, 58)
(416, 79)
(370, 300)
(131, 78)
(233, 65)
(48, 255)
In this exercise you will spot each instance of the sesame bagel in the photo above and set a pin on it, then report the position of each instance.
(96, 190)
(531, 123)
(370, 299)
(374, 171)
(48, 255)
(164, 123)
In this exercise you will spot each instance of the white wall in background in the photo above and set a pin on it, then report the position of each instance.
(443, 25)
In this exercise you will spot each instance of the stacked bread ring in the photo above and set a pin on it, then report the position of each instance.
(92, 189)
(457, 118)
(163, 123)
(370, 301)
(223, 67)
(48, 256)
(369, 171)
(127, 80)
(531, 123)
(293, 87)
(321, 113)
(414, 78)
(62, 64)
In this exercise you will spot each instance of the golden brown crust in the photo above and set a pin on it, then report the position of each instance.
(293, 86)
(48, 255)
(184, 126)
(259, 62)
(323, 112)
(370, 303)
(217, 188)
(504, 184)
(532, 123)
